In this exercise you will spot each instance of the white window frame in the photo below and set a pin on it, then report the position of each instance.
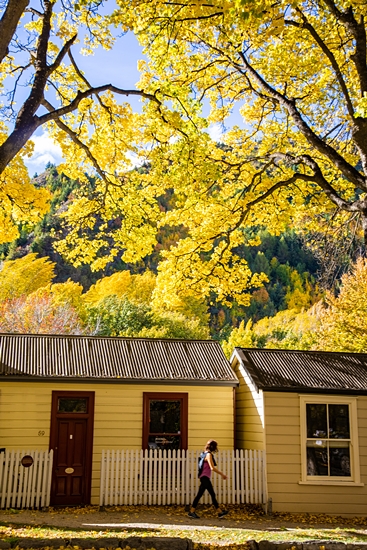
(355, 477)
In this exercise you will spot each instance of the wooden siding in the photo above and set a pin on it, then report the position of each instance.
(249, 412)
(283, 450)
(25, 411)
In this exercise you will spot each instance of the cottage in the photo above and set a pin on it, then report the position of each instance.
(79, 395)
(309, 411)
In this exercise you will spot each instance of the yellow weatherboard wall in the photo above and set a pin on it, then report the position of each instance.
(283, 450)
(25, 414)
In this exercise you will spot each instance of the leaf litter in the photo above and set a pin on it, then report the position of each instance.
(245, 522)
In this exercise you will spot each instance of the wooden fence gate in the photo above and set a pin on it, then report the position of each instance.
(25, 479)
(170, 477)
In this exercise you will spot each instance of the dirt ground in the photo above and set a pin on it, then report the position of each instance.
(174, 517)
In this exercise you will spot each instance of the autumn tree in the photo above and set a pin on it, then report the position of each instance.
(38, 313)
(25, 275)
(290, 329)
(295, 71)
(95, 130)
(344, 322)
(241, 336)
(297, 74)
(123, 305)
(114, 285)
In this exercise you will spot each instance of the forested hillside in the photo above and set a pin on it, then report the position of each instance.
(42, 293)
(290, 268)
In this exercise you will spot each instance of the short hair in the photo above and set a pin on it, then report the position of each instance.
(211, 446)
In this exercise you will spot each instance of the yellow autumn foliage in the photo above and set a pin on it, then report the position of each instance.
(344, 322)
(297, 157)
(117, 284)
(24, 276)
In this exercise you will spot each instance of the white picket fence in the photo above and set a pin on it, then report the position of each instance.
(170, 477)
(25, 487)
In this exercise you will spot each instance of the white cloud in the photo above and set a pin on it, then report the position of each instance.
(135, 160)
(45, 150)
(216, 131)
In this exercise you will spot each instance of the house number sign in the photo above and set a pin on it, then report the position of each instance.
(69, 470)
(26, 461)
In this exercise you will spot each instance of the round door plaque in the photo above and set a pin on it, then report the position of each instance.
(26, 461)
(69, 470)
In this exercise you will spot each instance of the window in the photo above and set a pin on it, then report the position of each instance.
(329, 439)
(165, 421)
(72, 405)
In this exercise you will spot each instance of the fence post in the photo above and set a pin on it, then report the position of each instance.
(49, 477)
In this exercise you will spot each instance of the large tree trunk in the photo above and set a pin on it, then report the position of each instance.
(9, 22)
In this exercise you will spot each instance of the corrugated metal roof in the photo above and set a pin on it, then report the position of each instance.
(305, 370)
(129, 359)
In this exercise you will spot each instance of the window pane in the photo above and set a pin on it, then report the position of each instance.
(69, 405)
(165, 417)
(339, 459)
(316, 420)
(166, 442)
(339, 422)
(317, 458)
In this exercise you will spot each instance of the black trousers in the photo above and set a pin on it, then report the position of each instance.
(205, 485)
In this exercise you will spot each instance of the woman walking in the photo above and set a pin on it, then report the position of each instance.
(209, 466)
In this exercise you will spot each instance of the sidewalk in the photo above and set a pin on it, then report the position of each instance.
(170, 517)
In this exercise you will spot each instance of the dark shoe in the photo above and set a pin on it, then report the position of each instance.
(222, 514)
(193, 515)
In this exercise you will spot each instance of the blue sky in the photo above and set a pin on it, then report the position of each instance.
(117, 66)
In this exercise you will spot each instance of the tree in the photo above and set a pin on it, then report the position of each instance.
(290, 329)
(242, 337)
(95, 131)
(115, 285)
(114, 316)
(24, 276)
(172, 324)
(297, 71)
(38, 314)
(344, 322)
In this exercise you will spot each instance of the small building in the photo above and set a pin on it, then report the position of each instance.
(308, 410)
(78, 395)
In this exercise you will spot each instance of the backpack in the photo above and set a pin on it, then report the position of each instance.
(201, 461)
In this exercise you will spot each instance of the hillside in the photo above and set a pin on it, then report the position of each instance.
(291, 268)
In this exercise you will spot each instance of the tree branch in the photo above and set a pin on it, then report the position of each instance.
(34, 11)
(73, 135)
(24, 130)
(33, 101)
(60, 56)
(329, 54)
(93, 91)
(83, 78)
(317, 177)
(345, 168)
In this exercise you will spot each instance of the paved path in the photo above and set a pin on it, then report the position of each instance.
(151, 518)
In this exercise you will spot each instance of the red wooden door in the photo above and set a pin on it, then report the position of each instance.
(71, 440)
